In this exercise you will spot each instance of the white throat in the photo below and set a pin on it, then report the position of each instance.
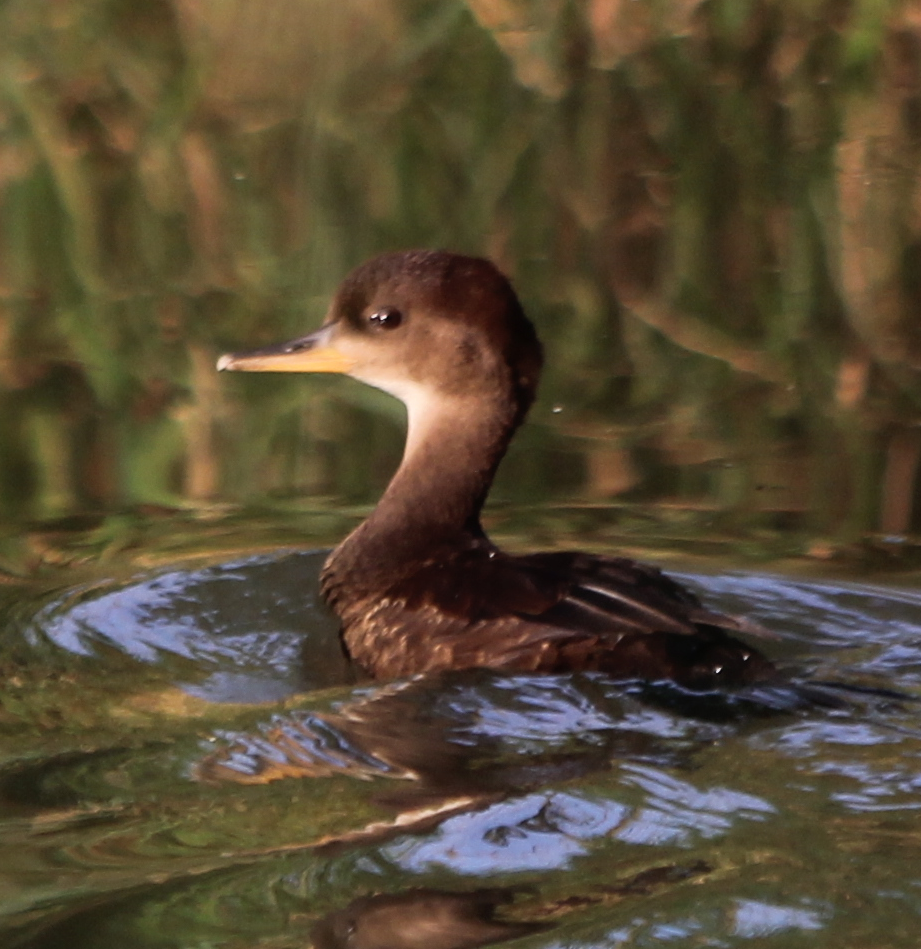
(424, 407)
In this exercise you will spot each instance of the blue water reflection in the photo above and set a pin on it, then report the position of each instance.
(823, 613)
(537, 832)
(546, 831)
(755, 919)
(255, 626)
(676, 812)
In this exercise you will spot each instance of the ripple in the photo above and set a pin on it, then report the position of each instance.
(831, 613)
(755, 919)
(245, 622)
(535, 832)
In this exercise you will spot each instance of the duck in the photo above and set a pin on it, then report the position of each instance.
(419, 587)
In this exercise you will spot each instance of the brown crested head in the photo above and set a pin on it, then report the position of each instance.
(442, 332)
(443, 321)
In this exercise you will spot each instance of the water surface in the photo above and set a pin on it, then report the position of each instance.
(188, 761)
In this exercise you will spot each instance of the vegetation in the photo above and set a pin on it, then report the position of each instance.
(710, 208)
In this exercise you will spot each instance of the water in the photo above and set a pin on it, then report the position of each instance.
(188, 761)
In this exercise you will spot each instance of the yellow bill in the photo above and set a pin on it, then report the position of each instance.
(313, 353)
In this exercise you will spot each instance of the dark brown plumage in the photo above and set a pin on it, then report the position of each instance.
(418, 586)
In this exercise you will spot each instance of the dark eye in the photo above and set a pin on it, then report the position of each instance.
(387, 317)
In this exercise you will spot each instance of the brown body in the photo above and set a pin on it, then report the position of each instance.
(418, 586)
(531, 614)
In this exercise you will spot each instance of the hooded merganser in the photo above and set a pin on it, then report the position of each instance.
(418, 586)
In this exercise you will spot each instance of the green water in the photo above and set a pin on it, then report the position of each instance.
(186, 760)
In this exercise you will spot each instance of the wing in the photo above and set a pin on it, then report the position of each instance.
(570, 590)
(615, 594)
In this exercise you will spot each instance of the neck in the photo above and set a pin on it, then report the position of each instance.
(433, 501)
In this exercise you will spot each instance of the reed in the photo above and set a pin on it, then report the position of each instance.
(711, 210)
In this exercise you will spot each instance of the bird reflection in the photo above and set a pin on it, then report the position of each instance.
(422, 919)
(454, 733)
(433, 919)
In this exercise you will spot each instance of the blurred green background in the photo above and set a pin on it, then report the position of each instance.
(711, 210)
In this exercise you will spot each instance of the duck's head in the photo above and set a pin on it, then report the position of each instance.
(429, 327)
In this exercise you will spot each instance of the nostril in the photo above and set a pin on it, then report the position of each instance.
(297, 346)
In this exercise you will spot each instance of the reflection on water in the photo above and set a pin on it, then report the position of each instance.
(258, 624)
(547, 831)
(461, 810)
(710, 210)
(425, 919)
(755, 919)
